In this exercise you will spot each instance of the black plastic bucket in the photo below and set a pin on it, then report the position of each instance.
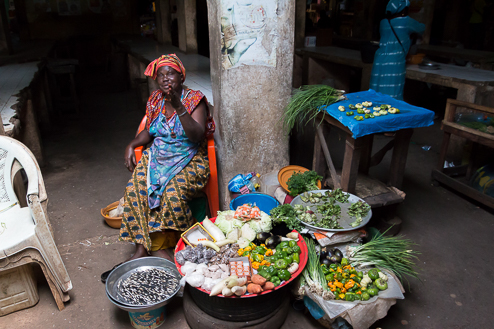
(239, 309)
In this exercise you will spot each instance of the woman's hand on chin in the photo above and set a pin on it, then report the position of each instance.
(174, 97)
(130, 158)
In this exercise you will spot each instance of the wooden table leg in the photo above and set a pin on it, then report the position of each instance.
(366, 155)
(350, 164)
(318, 164)
(399, 157)
(327, 155)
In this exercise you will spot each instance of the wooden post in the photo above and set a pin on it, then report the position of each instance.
(31, 133)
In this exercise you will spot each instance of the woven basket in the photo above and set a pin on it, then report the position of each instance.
(114, 222)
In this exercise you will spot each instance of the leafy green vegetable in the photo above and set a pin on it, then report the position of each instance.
(358, 210)
(285, 213)
(303, 182)
(338, 195)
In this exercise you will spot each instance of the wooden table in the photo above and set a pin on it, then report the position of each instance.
(484, 58)
(450, 127)
(337, 55)
(358, 158)
(469, 81)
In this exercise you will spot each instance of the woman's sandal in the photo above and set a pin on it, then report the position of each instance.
(105, 275)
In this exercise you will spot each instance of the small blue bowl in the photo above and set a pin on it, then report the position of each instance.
(263, 201)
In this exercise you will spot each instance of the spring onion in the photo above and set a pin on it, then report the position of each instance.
(391, 253)
(313, 275)
(305, 104)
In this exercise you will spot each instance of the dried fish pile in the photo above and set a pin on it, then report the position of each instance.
(147, 287)
(226, 252)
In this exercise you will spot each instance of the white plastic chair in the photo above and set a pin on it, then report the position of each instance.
(25, 233)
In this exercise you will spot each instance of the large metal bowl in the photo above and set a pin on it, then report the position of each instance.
(125, 270)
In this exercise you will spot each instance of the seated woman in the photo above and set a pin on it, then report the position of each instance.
(173, 169)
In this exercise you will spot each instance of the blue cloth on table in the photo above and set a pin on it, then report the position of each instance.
(409, 117)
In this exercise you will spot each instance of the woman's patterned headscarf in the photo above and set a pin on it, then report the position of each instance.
(165, 60)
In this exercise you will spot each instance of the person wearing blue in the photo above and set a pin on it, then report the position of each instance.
(389, 69)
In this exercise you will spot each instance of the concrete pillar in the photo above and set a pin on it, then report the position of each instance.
(163, 22)
(187, 27)
(249, 99)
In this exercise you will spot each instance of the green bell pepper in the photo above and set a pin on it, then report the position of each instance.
(281, 264)
(269, 259)
(288, 250)
(276, 281)
(373, 291)
(288, 259)
(339, 276)
(246, 253)
(325, 269)
(292, 243)
(365, 296)
(296, 249)
(257, 258)
(284, 275)
(260, 250)
(373, 274)
(344, 261)
(262, 268)
(360, 274)
(334, 266)
(272, 271)
(349, 296)
(283, 254)
(283, 244)
(265, 275)
(296, 258)
(330, 277)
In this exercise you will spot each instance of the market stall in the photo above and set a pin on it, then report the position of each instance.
(242, 267)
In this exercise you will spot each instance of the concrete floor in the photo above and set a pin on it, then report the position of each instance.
(85, 172)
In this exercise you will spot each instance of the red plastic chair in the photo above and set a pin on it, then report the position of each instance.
(211, 188)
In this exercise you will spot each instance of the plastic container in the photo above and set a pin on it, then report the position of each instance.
(269, 183)
(263, 201)
(149, 319)
(483, 180)
(256, 180)
(19, 289)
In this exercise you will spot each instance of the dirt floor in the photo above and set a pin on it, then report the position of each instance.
(85, 172)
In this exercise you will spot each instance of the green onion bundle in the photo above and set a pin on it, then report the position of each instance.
(313, 275)
(391, 253)
(305, 102)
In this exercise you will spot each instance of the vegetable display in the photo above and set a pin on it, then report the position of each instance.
(305, 104)
(364, 108)
(391, 253)
(330, 209)
(303, 182)
(286, 214)
(313, 276)
(348, 284)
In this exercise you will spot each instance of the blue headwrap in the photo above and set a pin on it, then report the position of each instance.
(395, 6)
